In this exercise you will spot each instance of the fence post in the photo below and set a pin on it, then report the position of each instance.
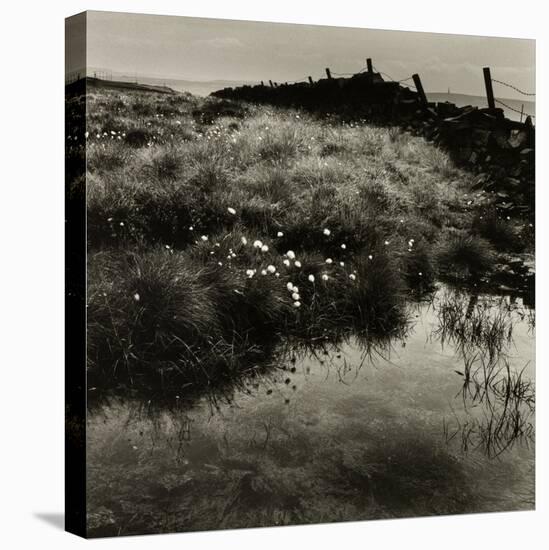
(369, 65)
(521, 111)
(489, 89)
(310, 80)
(420, 91)
(271, 83)
(328, 73)
(262, 83)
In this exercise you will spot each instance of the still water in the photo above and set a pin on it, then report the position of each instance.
(439, 421)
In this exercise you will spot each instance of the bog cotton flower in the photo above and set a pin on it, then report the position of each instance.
(286, 262)
(343, 246)
(250, 273)
(295, 296)
(329, 260)
(231, 210)
(291, 254)
(325, 277)
(297, 304)
(290, 287)
(297, 263)
(258, 244)
(280, 234)
(244, 241)
(352, 276)
(264, 248)
(326, 232)
(263, 272)
(311, 278)
(204, 238)
(136, 297)
(271, 268)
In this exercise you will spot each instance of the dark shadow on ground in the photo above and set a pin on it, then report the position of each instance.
(56, 520)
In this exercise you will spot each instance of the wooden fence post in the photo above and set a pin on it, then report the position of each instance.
(369, 65)
(420, 91)
(489, 89)
(328, 74)
(271, 83)
(310, 80)
(262, 83)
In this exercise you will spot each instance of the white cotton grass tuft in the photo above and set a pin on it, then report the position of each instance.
(342, 264)
(244, 241)
(290, 287)
(258, 244)
(263, 272)
(271, 268)
(370, 257)
(343, 246)
(264, 248)
(291, 254)
(280, 234)
(231, 210)
(295, 296)
(311, 278)
(329, 260)
(136, 297)
(326, 232)
(286, 262)
(297, 263)
(325, 277)
(352, 276)
(250, 273)
(297, 304)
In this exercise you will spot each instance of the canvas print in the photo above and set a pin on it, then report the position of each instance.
(300, 274)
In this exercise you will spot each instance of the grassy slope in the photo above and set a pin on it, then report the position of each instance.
(176, 185)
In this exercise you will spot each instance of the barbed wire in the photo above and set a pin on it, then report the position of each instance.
(513, 109)
(411, 77)
(513, 87)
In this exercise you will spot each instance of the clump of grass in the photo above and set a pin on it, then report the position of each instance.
(137, 137)
(470, 324)
(164, 164)
(508, 400)
(500, 233)
(190, 317)
(466, 256)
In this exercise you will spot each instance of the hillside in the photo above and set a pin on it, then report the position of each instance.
(241, 202)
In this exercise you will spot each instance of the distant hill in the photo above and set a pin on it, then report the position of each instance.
(200, 88)
(120, 84)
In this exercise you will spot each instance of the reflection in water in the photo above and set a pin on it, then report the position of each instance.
(438, 422)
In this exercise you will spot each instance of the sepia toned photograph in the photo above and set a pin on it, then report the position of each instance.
(300, 274)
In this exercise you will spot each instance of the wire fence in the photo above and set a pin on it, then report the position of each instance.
(513, 87)
(521, 112)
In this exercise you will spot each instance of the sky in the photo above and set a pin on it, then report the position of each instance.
(215, 49)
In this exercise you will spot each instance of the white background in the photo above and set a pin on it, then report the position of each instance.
(31, 273)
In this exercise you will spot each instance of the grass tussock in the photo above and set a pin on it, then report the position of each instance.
(466, 256)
